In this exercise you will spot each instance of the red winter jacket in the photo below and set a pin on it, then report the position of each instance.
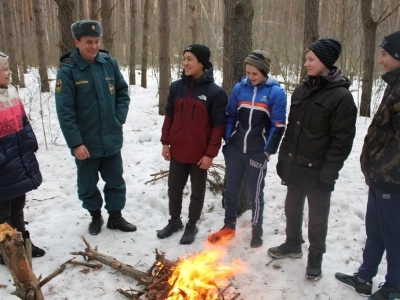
(195, 118)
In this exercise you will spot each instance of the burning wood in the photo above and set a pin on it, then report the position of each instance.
(203, 276)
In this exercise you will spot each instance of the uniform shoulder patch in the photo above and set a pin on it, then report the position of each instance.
(58, 86)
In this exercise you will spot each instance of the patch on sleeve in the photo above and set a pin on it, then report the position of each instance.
(112, 89)
(58, 86)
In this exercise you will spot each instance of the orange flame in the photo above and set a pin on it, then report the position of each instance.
(201, 276)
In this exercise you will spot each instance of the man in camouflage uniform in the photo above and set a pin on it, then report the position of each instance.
(380, 163)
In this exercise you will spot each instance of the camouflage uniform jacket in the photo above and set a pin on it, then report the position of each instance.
(380, 157)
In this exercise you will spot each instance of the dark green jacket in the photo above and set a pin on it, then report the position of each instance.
(320, 131)
(380, 158)
(92, 103)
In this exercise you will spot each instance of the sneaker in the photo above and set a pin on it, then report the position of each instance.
(352, 281)
(116, 221)
(256, 240)
(95, 225)
(174, 225)
(385, 292)
(314, 262)
(225, 233)
(189, 234)
(286, 250)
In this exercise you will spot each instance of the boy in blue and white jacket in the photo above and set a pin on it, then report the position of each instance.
(255, 125)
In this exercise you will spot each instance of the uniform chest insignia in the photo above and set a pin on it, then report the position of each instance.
(112, 89)
(58, 86)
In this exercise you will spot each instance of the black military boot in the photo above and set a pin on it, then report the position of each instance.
(189, 234)
(36, 251)
(97, 222)
(256, 239)
(116, 221)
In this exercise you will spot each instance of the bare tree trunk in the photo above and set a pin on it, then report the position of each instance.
(132, 55)
(194, 27)
(311, 12)
(41, 41)
(11, 38)
(237, 31)
(106, 22)
(94, 9)
(238, 19)
(65, 20)
(164, 61)
(145, 43)
(19, 26)
(83, 10)
(369, 33)
(2, 34)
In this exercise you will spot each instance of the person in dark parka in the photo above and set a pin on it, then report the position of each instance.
(19, 168)
(92, 103)
(380, 164)
(192, 132)
(317, 141)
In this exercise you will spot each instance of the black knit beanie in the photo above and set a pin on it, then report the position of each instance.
(327, 50)
(391, 44)
(260, 60)
(201, 52)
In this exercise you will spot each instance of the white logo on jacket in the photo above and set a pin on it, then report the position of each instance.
(203, 97)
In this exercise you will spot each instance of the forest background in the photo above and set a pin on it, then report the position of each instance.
(151, 35)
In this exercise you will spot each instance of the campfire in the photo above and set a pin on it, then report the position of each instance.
(203, 276)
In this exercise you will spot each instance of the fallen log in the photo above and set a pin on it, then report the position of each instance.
(13, 251)
(112, 262)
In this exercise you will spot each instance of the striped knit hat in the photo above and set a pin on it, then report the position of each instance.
(260, 60)
(327, 50)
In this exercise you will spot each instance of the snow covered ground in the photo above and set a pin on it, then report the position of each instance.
(57, 220)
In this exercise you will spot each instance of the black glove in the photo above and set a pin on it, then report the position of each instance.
(279, 168)
(325, 187)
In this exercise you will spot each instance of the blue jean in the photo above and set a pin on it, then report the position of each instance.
(254, 167)
(383, 233)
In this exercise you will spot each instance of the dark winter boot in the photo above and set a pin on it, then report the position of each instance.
(174, 225)
(97, 222)
(189, 234)
(36, 251)
(353, 281)
(286, 250)
(116, 221)
(256, 239)
(385, 292)
(314, 263)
